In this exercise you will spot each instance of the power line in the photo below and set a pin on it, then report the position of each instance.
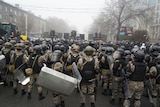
(70, 10)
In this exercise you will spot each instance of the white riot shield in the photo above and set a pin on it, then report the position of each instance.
(110, 62)
(56, 81)
(19, 74)
(2, 62)
(76, 72)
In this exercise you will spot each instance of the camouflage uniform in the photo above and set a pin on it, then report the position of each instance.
(73, 56)
(138, 70)
(35, 62)
(18, 58)
(105, 72)
(155, 73)
(88, 67)
(58, 98)
(6, 51)
(118, 65)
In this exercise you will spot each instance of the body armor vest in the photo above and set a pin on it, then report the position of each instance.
(88, 71)
(117, 68)
(139, 72)
(19, 61)
(104, 65)
(36, 67)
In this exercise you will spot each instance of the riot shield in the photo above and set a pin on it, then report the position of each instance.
(19, 74)
(110, 62)
(56, 81)
(125, 83)
(2, 62)
(76, 73)
(2, 69)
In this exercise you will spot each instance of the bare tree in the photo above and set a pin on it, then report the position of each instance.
(57, 24)
(117, 12)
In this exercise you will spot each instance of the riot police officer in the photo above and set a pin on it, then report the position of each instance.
(18, 58)
(89, 67)
(36, 61)
(73, 56)
(105, 69)
(7, 52)
(118, 65)
(155, 74)
(138, 69)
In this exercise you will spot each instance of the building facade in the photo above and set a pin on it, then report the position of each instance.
(27, 22)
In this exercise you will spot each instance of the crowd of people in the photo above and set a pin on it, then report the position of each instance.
(125, 70)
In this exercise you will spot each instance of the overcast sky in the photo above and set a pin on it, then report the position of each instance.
(79, 13)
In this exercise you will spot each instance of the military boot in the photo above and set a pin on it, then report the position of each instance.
(62, 104)
(112, 101)
(15, 91)
(92, 105)
(29, 96)
(23, 92)
(120, 101)
(105, 92)
(110, 92)
(82, 105)
(41, 97)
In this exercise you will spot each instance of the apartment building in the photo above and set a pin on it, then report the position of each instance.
(26, 21)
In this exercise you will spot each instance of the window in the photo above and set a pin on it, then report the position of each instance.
(15, 20)
(6, 9)
(10, 10)
(0, 16)
(15, 12)
(0, 7)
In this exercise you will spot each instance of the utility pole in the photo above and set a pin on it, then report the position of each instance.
(26, 23)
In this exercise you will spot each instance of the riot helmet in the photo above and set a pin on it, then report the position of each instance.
(19, 46)
(62, 48)
(56, 47)
(109, 50)
(154, 50)
(127, 52)
(75, 48)
(56, 56)
(103, 50)
(89, 51)
(44, 47)
(37, 49)
(8, 45)
(139, 56)
(157, 59)
(119, 53)
(13, 42)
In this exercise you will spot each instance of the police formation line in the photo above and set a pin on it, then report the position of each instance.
(124, 70)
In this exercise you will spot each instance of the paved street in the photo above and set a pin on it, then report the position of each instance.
(7, 99)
